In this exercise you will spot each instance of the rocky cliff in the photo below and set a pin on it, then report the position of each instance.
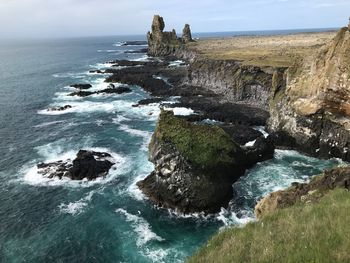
(163, 43)
(305, 193)
(312, 112)
(236, 82)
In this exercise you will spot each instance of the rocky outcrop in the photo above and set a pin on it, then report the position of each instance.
(313, 109)
(87, 164)
(111, 89)
(162, 43)
(81, 86)
(195, 165)
(306, 193)
(186, 34)
(238, 83)
(61, 108)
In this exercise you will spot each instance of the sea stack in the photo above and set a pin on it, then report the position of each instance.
(186, 34)
(163, 43)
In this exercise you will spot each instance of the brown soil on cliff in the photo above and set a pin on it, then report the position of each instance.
(277, 51)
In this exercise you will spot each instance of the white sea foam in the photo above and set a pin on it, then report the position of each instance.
(176, 63)
(109, 50)
(141, 227)
(143, 58)
(262, 130)
(250, 144)
(73, 75)
(119, 44)
(76, 208)
(45, 124)
(180, 111)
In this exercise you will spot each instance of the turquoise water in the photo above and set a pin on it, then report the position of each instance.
(109, 220)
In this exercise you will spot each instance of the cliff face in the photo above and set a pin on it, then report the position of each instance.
(162, 43)
(238, 83)
(314, 108)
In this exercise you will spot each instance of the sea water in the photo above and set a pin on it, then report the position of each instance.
(107, 220)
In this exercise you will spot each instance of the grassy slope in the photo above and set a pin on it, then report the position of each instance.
(302, 233)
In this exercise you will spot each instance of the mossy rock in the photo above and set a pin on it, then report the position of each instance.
(204, 146)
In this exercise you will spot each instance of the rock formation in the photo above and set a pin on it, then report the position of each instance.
(186, 34)
(162, 43)
(87, 164)
(195, 165)
(313, 109)
(306, 193)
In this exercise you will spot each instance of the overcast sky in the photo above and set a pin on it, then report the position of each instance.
(56, 18)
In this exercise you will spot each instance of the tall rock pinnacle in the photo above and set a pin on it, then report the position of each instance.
(186, 34)
(163, 43)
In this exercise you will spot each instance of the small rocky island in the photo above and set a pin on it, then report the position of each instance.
(196, 165)
(87, 165)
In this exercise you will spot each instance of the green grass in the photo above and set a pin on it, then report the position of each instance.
(302, 233)
(205, 146)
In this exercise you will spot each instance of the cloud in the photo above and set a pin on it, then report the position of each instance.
(55, 18)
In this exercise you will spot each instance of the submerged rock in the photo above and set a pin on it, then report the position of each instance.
(62, 108)
(195, 166)
(135, 43)
(81, 86)
(87, 164)
(305, 192)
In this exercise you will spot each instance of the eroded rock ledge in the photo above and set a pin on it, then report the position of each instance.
(306, 193)
(196, 165)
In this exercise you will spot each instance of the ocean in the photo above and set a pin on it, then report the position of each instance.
(107, 220)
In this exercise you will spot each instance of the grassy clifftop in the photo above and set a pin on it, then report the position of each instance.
(275, 51)
(302, 233)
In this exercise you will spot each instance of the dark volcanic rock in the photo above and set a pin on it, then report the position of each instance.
(262, 150)
(195, 166)
(81, 93)
(62, 108)
(135, 43)
(90, 165)
(241, 133)
(110, 90)
(97, 71)
(81, 86)
(87, 164)
(212, 108)
(115, 90)
(149, 101)
(186, 34)
(161, 43)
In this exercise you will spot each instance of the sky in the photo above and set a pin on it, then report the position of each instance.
(75, 18)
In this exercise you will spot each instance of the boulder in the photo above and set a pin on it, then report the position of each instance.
(87, 164)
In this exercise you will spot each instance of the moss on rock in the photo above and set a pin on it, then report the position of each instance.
(203, 146)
